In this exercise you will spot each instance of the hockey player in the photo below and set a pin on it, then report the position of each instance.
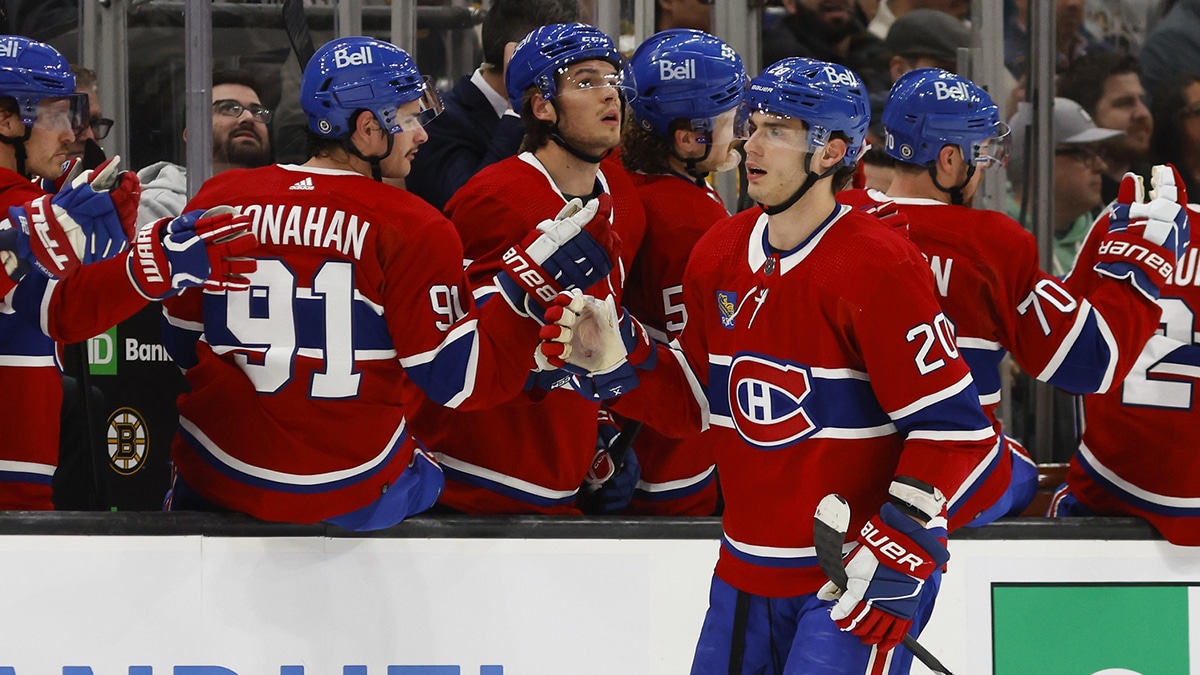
(686, 87)
(295, 412)
(1137, 455)
(941, 129)
(816, 350)
(70, 272)
(533, 453)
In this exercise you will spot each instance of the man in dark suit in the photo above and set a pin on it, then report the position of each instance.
(478, 126)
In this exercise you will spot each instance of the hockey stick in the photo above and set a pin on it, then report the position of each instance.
(829, 535)
(296, 26)
(623, 442)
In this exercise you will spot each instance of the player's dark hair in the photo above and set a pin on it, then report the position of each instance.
(537, 131)
(510, 20)
(1083, 82)
(644, 152)
(8, 104)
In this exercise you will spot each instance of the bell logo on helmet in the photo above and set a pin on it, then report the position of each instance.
(9, 49)
(343, 57)
(682, 71)
(838, 76)
(957, 91)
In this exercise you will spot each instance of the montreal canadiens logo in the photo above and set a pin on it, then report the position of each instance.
(766, 401)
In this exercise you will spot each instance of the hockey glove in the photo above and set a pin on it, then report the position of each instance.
(601, 346)
(574, 250)
(84, 222)
(1146, 239)
(198, 248)
(888, 569)
(610, 482)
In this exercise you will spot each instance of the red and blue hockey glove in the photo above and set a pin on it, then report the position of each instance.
(888, 569)
(1146, 239)
(89, 219)
(612, 478)
(198, 248)
(574, 250)
(602, 346)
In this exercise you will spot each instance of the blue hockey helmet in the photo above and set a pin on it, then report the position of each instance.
(683, 74)
(828, 97)
(31, 71)
(548, 50)
(930, 108)
(350, 74)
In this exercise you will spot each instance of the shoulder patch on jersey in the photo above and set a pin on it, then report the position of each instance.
(727, 307)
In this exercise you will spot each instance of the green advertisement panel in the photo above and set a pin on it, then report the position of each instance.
(1090, 629)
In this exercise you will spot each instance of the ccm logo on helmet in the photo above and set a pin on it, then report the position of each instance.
(957, 91)
(682, 71)
(840, 76)
(888, 547)
(343, 57)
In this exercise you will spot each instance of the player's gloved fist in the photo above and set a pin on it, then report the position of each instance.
(198, 248)
(1146, 239)
(599, 344)
(574, 250)
(610, 481)
(80, 224)
(886, 575)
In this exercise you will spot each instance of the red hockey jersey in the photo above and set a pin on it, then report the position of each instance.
(1138, 453)
(36, 318)
(989, 282)
(295, 410)
(529, 455)
(678, 475)
(827, 368)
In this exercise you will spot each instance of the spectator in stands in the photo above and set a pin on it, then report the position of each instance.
(890, 10)
(85, 145)
(1107, 85)
(1173, 45)
(1078, 167)
(694, 14)
(828, 30)
(478, 126)
(1072, 40)
(922, 38)
(1176, 111)
(239, 138)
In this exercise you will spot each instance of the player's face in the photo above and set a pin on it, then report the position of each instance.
(404, 145)
(588, 105)
(775, 154)
(50, 140)
(721, 156)
(1122, 106)
(239, 141)
(1077, 172)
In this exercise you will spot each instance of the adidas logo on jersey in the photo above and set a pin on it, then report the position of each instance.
(305, 184)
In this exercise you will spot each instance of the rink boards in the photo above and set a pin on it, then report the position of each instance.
(196, 594)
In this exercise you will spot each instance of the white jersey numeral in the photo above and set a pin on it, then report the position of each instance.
(1138, 389)
(1053, 294)
(941, 331)
(264, 319)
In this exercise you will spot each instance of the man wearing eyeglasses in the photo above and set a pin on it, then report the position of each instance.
(86, 146)
(240, 141)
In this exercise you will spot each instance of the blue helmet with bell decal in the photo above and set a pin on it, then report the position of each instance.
(550, 49)
(930, 108)
(361, 73)
(683, 74)
(827, 97)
